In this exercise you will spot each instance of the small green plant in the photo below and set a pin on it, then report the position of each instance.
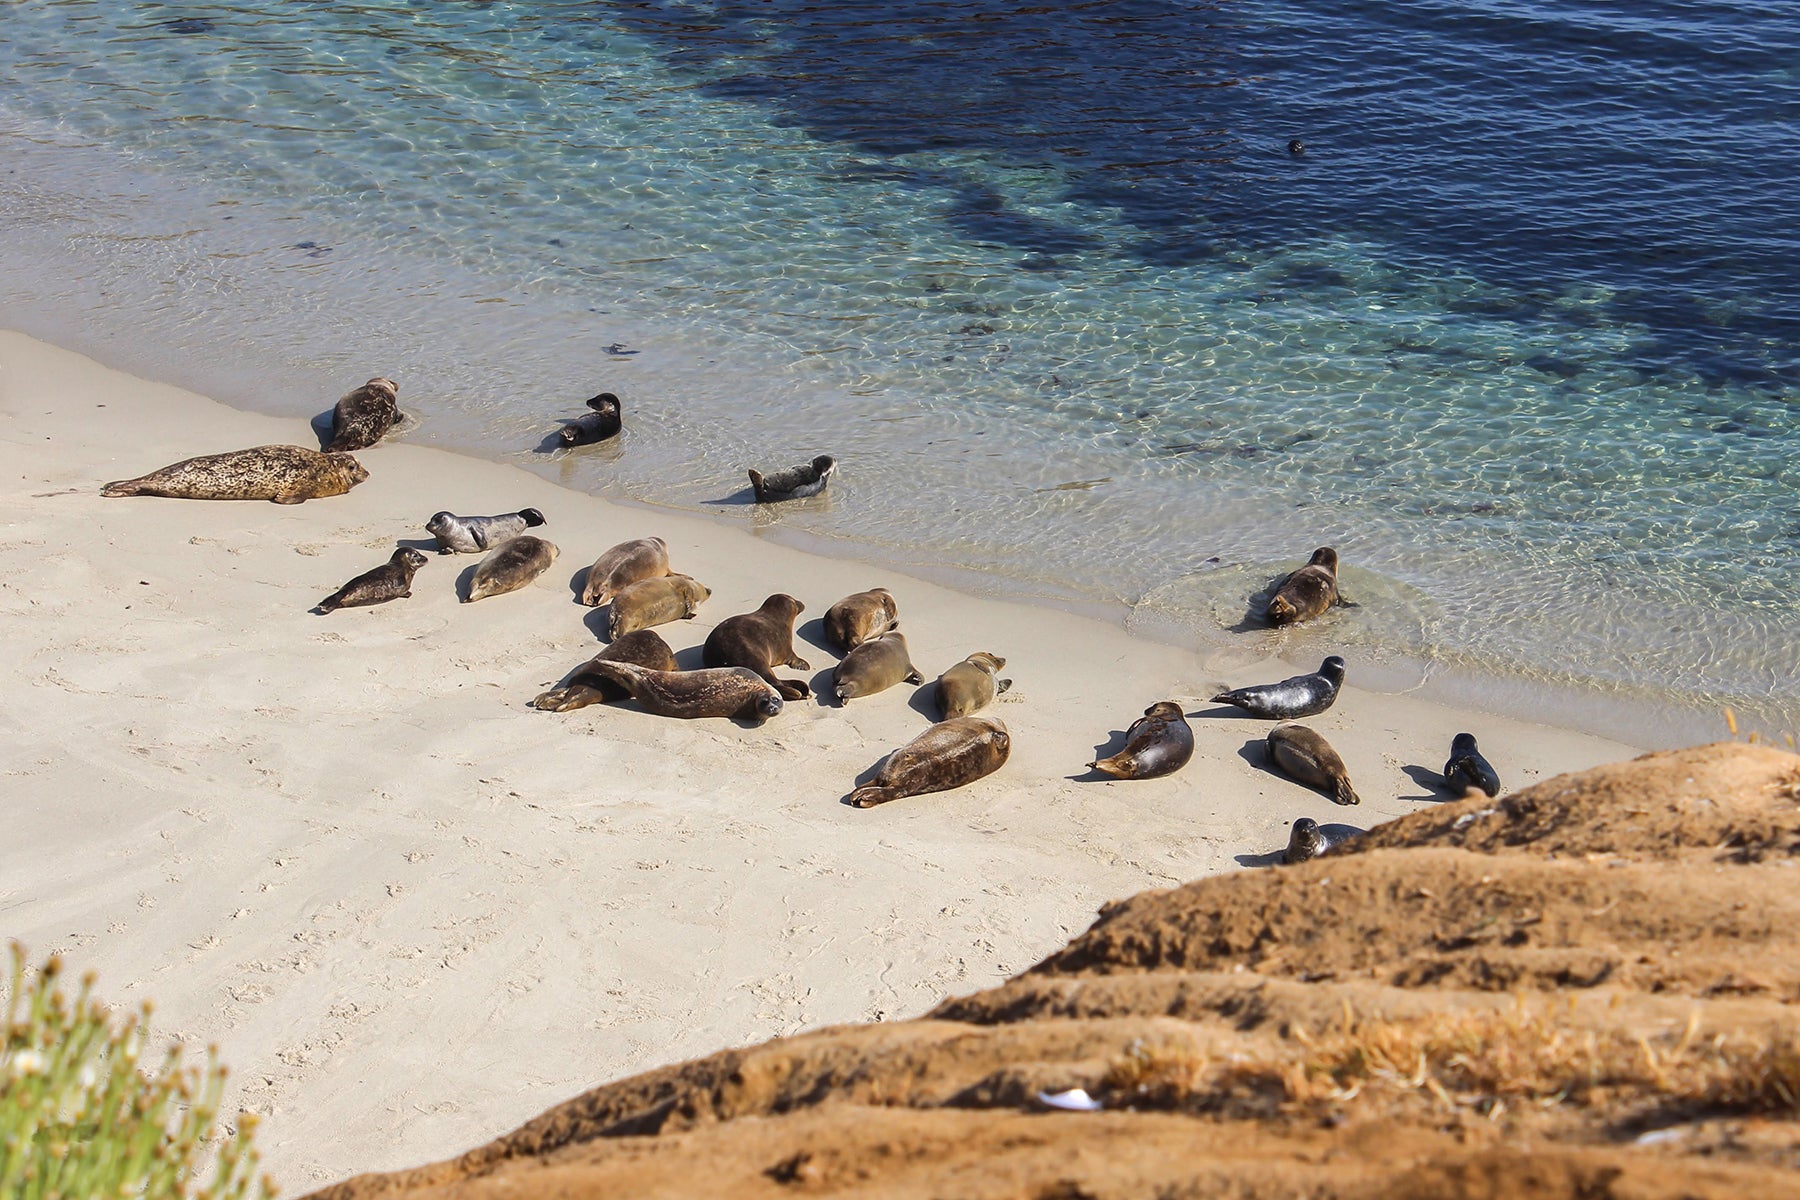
(79, 1120)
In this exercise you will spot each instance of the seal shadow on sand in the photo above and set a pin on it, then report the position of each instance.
(1115, 742)
(1229, 711)
(1433, 783)
(464, 582)
(866, 777)
(924, 700)
(691, 659)
(597, 620)
(578, 583)
(812, 632)
(422, 545)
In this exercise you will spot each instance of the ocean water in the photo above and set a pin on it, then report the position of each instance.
(1516, 328)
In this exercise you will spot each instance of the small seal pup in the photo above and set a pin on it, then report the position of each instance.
(1308, 592)
(366, 415)
(511, 565)
(1158, 743)
(284, 474)
(472, 535)
(857, 618)
(713, 692)
(1310, 839)
(604, 422)
(645, 648)
(655, 602)
(1301, 696)
(1467, 770)
(948, 755)
(874, 666)
(625, 564)
(808, 479)
(970, 684)
(760, 640)
(392, 580)
(1304, 755)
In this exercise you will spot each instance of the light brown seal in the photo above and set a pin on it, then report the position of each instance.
(1158, 743)
(284, 474)
(392, 580)
(856, 619)
(655, 602)
(971, 684)
(874, 666)
(714, 692)
(585, 686)
(365, 416)
(511, 565)
(949, 754)
(623, 565)
(1308, 592)
(760, 640)
(1306, 756)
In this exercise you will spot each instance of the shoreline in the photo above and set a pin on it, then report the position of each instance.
(337, 845)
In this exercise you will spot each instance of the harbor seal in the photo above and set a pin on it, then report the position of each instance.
(655, 602)
(1308, 592)
(1301, 696)
(472, 535)
(604, 422)
(623, 565)
(857, 618)
(1304, 755)
(1158, 743)
(1467, 771)
(874, 666)
(365, 416)
(760, 640)
(585, 686)
(392, 580)
(971, 684)
(1310, 839)
(713, 692)
(284, 474)
(511, 565)
(794, 483)
(948, 755)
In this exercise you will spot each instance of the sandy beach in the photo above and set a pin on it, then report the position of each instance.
(413, 912)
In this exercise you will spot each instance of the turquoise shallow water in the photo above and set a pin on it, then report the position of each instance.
(1515, 333)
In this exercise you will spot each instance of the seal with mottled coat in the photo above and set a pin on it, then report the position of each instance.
(1301, 696)
(1466, 770)
(1302, 754)
(713, 692)
(392, 580)
(623, 565)
(857, 618)
(759, 641)
(366, 415)
(1308, 592)
(655, 602)
(511, 565)
(604, 422)
(1158, 743)
(874, 666)
(793, 483)
(970, 685)
(585, 686)
(948, 755)
(475, 535)
(283, 474)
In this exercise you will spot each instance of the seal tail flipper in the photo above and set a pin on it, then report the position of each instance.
(915, 677)
(1281, 611)
(869, 797)
(1001, 685)
(756, 482)
(533, 517)
(1343, 793)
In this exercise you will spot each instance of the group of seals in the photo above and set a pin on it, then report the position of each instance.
(283, 474)
(585, 686)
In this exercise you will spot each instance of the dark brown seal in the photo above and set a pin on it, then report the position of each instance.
(1158, 743)
(1304, 755)
(511, 565)
(857, 618)
(392, 580)
(760, 640)
(714, 692)
(1466, 771)
(623, 565)
(284, 474)
(874, 666)
(948, 755)
(366, 415)
(585, 686)
(970, 685)
(1308, 592)
(604, 422)
(655, 602)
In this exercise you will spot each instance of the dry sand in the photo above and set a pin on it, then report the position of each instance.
(413, 911)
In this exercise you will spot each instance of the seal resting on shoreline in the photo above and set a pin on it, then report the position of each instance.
(1301, 696)
(794, 483)
(366, 415)
(623, 565)
(655, 602)
(713, 692)
(948, 755)
(859, 617)
(1302, 754)
(510, 566)
(1467, 770)
(970, 685)
(604, 422)
(1308, 592)
(392, 580)
(1158, 743)
(759, 641)
(472, 535)
(874, 666)
(283, 474)
(585, 686)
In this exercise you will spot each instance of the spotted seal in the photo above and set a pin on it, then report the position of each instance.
(948, 755)
(713, 692)
(284, 474)
(655, 602)
(859, 617)
(623, 565)
(874, 666)
(585, 686)
(970, 685)
(511, 565)
(760, 640)
(1158, 743)
(366, 415)
(1308, 592)
(1304, 755)
(604, 422)
(794, 483)
(392, 580)
(1301, 696)
(1466, 770)
(473, 535)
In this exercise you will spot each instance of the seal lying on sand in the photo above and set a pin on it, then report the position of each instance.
(857, 618)
(1158, 743)
(392, 580)
(970, 685)
(645, 648)
(1301, 696)
(471, 535)
(284, 474)
(949, 754)
(716, 692)
(1308, 592)
(511, 565)
(760, 640)
(365, 416)
(1304, 755)
(874, 667)
(623, 565)
(604, 422)
(1467, 770)
(1310, 839)
(793, 483)
(655, 602)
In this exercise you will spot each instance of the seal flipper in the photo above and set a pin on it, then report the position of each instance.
(1343, 793)
(914, 677)
(869, 797)
(1001, 685)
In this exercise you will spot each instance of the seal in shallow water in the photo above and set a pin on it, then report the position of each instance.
(392, 580)
(365, 416)
(511, 565)
(1301, 696)
(623, 565)
(948, 755)
(585, 686)
(1158, 743)
(1304, 755)
(874, 666)
(713, 692)
(760, 640)
(604, 422)
(655, 602)
(1308, 592)
(794, 483)
(970, 685)
(284, 474)
(1467, 770)
(859, 617)
(472, 535)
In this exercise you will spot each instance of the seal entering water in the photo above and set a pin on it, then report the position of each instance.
(392, 580)
(1301, 696)
(1467, 770)
(604, 422)
(809, 479)
(284, 474)
(1158, 743)
(366, 415)
(1308, 592)
(948, 755)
